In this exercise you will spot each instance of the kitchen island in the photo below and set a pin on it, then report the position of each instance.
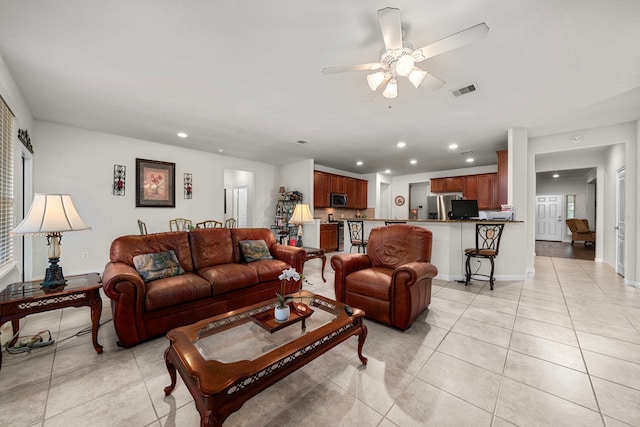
(452, 237)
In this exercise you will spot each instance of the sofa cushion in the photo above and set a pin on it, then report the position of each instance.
(211, 246)
(268, 270)
(157, 265)
(176, 290)
(229, 277)
(239, 234)
(254, 250)
(373, 282)
(124, 248)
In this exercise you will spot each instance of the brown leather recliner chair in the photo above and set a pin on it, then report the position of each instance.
(392, 281)
(580, 231)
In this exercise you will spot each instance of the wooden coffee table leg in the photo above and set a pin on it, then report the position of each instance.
(172, 372)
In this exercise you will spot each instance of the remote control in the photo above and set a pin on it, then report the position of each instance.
(348, 310)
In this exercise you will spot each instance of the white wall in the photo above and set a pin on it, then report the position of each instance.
(80, 162)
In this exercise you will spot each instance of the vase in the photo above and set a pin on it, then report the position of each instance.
(281, 314)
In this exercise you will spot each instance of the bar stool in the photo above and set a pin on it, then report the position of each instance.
(487, 245)
(180, 224)
(356, 235)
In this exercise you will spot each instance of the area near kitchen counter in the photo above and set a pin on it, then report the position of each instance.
(452, 237)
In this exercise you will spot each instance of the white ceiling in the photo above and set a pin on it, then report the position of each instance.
(244, 76)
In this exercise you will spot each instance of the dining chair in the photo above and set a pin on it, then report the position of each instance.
(487, 245)
(142, 227)
(356, 234)
(231, 223)
(180, 224)
(210, 223)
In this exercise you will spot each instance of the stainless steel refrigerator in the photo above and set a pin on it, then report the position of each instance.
(438, 207)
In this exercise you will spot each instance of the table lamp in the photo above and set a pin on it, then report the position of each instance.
(301, 215)
(50, 215)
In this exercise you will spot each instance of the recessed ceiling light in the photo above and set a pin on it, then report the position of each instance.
(555, 175)
(401, 144)
(387, 171)
(469, 159)
(220, 150)
(182, 134)
(359, 163)
(413, 161)
(453, 146)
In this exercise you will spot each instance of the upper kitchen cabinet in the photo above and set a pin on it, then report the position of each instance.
(326, 183)
(502, 178)
(321, 189)
(453, 184)
(486, 191)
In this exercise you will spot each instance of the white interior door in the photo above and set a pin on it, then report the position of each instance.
(240, 206)
(620, 205)
(549, 217)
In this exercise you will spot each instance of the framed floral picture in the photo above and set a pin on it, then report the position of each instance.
(155, 184)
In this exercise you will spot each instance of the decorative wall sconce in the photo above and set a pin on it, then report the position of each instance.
(119, 177)
(188, 186)
(23, 136)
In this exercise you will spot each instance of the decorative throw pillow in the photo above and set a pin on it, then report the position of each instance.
(254, 250)
(157, 265)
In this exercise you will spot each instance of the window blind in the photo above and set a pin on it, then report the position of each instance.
(6, 184)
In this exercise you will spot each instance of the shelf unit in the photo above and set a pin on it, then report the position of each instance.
(282, 230)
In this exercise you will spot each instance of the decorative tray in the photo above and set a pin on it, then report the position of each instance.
(298, 312)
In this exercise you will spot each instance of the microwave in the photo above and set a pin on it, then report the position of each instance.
(337, 200)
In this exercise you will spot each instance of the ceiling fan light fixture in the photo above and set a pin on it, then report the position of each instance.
(391, 91)
(404, 65)
(375, 80)
(416, 76)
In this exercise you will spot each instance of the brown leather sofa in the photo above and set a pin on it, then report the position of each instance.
(216, 279)
(392, 281)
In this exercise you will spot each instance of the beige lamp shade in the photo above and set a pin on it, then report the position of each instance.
(301, 214)
(51, 213)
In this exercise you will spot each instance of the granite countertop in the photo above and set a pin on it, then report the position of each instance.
(489, 221)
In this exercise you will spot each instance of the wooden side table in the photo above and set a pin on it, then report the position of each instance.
(23, 298)
(313, 253)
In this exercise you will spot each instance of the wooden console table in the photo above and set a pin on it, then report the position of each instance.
(23, 298)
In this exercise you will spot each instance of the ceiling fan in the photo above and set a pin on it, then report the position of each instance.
(398, 58)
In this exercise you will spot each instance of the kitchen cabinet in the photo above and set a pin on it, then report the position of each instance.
(329, 237)
(486, 191)
(502, 178)
(321, 189)
(447, 185)
(326, 183)
(470, 191)
(362, 194)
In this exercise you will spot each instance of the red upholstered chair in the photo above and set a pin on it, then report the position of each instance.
(392, 281)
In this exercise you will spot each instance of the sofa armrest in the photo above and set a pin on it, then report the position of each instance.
(126, 289)
(119, 278)
(343, 265)
(292, 255)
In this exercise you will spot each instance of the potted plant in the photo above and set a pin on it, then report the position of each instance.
(281, 311)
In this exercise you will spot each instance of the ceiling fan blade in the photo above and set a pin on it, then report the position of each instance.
(432, 82)
(463, 38)
(358, 67)
(391, 27)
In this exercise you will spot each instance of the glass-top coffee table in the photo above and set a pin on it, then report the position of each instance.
(227, 359)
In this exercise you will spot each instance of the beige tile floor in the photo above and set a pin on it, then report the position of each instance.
(559, 349)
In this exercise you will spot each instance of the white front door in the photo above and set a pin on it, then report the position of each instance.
(549, 217)
(620, 205)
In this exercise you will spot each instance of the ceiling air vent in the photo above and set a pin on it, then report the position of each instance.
(464, 90)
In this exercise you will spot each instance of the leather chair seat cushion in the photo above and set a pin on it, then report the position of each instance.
(372, 282)
(480, 252)
(268, 269)
(175, 290)
(229, 277)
